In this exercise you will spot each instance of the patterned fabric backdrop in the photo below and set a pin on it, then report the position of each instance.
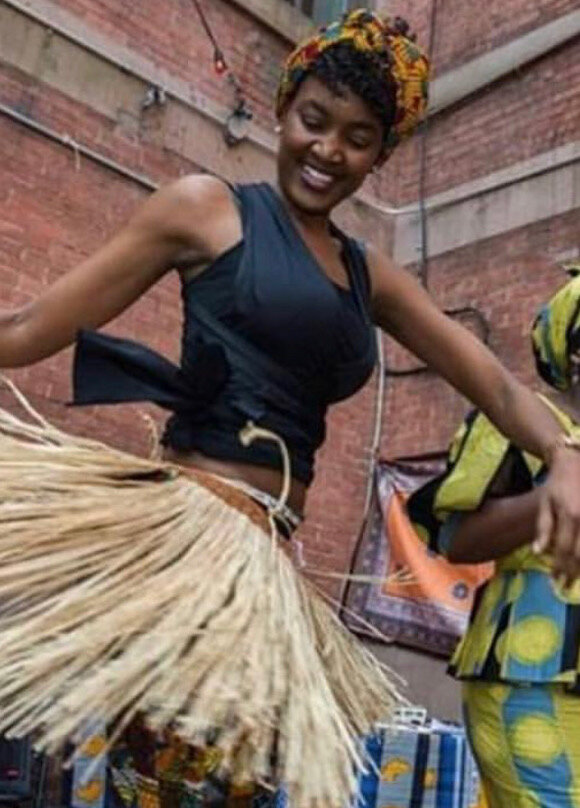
(431, 612)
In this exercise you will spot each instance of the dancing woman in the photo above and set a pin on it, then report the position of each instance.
(157, 592)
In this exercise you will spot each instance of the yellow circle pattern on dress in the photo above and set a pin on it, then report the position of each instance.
(534, 639)
(535, 739)
(93, 746)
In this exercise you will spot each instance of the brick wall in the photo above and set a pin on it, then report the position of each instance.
(54, 210)
(52, 216)
(171, 35)
(506, 279)
(465, 30)
(528, 112)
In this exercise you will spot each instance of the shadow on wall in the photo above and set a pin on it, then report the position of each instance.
(428, 684)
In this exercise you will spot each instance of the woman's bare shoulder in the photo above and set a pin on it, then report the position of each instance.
(197, 194)
(201, 212)
(385, 275)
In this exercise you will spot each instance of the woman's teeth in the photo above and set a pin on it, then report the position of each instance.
(318, 180)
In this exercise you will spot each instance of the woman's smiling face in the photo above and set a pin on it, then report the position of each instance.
(328, 144)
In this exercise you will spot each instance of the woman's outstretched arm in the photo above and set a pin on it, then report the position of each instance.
(405, 310)
(181, 218)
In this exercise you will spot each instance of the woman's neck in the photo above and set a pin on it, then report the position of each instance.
(317, 224)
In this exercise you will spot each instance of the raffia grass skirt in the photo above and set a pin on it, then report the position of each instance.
(130, 587)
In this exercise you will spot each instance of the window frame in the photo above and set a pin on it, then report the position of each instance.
(316, 9)
(284, 16)
(280, 16)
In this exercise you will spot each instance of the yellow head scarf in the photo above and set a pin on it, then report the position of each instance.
(405, 64)
(556, 333)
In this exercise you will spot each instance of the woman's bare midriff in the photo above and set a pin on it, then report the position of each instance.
(265, 479)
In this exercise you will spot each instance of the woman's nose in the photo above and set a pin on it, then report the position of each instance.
(329, 149)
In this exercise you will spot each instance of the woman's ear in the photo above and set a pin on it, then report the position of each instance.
(281, 120)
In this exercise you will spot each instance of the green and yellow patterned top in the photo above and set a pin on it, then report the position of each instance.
(524, 627)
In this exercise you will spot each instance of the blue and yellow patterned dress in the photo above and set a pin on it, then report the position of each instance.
(520, 656)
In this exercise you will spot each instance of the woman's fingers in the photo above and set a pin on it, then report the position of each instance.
(558, 521)
(544, 525)
(563, 548)
(573, 569)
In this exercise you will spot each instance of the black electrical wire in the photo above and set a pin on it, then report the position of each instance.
(221, 64)
(484, 328)
(219, 58)
(423, 269)
(423, 135)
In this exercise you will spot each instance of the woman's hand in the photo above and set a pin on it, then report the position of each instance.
(558, 522)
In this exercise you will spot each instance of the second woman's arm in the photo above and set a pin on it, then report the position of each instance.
(498, 528)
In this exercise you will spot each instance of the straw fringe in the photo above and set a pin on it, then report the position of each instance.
(127, 585)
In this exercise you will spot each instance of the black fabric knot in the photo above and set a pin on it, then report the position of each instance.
(110, 370)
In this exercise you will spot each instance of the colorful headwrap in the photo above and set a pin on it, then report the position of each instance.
(556, 333)
(405, 62)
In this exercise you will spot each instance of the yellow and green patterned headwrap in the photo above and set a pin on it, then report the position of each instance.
(556, 333)
(405, 64)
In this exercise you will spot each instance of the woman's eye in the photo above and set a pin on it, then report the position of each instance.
(359, 144)
(312, 123)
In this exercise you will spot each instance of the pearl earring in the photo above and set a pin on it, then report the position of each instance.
(277, 129)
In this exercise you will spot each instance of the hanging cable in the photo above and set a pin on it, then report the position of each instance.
(423, 135)
(423, 267)
(236, 124)
(483, 332)
(219, 60)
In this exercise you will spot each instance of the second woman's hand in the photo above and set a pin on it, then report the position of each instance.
(558, 524)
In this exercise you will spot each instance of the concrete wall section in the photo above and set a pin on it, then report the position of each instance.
(427, 682)
(540, 188)
(280, 16)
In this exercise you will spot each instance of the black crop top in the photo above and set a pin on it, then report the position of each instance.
(267, 337)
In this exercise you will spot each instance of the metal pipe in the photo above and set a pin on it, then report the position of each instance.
(378, 422)
(78, 148)
(424, 134)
